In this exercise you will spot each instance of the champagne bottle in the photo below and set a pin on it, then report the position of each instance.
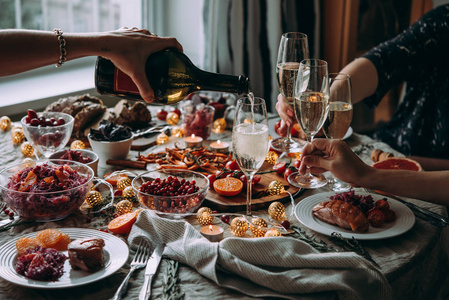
(172, 76)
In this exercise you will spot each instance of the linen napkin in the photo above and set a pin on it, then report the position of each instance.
(281, 267)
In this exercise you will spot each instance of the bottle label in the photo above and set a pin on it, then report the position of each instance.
(124, 84)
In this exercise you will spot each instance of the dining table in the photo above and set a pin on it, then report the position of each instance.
(413, 264)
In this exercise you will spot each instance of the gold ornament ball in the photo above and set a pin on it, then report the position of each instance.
(128, 193)
(123, 207)
(203, 216)
(94, 198)
(26, 149)
(77, 144)
(162, 139)
(276, 211)
(172, 118)
(177, 131)
(17, 136)
(271, 157)
(123, 183)
(239, 226)
(272, 232)
(275, 188)
(219, 125)
(258, 227)
(5, 123)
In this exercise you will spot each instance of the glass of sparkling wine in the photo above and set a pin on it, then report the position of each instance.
(293, 48)
(311, 107)
(250, 139)
(339, 117)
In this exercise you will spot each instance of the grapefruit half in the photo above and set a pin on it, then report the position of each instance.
(398, 163)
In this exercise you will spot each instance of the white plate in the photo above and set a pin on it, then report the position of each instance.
(115, 252)
(404, 219)
(348, 133)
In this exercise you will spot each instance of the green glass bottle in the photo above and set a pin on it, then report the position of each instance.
(172, 76)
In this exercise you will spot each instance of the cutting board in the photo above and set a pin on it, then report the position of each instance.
(238, 203)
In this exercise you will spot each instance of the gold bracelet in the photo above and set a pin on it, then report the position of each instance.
(62, 43)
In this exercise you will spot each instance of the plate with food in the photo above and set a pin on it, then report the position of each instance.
(363, 216)
(61, 258)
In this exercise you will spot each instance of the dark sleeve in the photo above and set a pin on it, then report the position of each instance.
(408, 55)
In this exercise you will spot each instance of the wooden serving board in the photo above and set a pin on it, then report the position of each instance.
(238, 203)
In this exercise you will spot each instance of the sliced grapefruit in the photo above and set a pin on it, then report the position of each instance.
(123, 223)
(228, 186)
(398, 163)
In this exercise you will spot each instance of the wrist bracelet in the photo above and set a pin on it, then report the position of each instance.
(62, 43)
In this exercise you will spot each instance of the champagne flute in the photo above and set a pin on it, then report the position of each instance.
(339, 117)
(250, 139)
(293, 48)
(311, 107)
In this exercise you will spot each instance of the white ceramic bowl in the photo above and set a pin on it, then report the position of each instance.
(110, 150)
(86, 153)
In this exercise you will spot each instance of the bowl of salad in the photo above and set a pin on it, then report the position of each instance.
(45, 190)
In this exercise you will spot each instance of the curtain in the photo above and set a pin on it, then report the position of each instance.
(241, 37)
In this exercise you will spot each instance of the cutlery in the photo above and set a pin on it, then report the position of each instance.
(139, 261)
(151, 131)
(425, 214)
(150, 271)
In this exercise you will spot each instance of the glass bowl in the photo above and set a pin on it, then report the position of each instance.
(85, 153)
(45, 190)
(171, 204)
(49, 139)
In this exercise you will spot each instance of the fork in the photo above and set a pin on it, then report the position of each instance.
(139, 261)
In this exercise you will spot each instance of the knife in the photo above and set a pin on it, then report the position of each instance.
(150, 270)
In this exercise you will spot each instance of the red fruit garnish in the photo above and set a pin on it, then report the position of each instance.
(212, 178)
(400, 163)
(161, 115)
(232, 165)
(290, 170)
(376, 217)
(390, 215)
(177, 111)
(285, 224)
(225, 218)
(280, 167)
(382, 205)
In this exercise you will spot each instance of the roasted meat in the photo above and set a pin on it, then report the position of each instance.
(341, 213)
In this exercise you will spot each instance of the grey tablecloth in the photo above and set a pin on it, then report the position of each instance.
(415, 263)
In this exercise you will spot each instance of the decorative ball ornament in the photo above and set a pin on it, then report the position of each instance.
(203, 216)
(17, 136)
(258, 227)
(276, 211)
(94, 198)
(275, 188)
(5, 123)
(128, 193)
(77, 145)
(239, 226)
(219, 125)
(272, 232)
(162, 139)
(26, 149)
(272, 157)
(123, 207)
(123, 183)
(177, 131)
(172, 118)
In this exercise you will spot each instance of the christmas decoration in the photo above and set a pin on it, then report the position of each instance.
(276, 211)
(5, 123)
(17, 136)
(272, 232)
(124, 207)
(177, 131)
(239, 226)
(162, 139)
(271, 157)
(172, 118)
(77, 144)
(128, 193)
(258, 227)
(26, 149)
(123, 183)
(94, 198)
(203, 216)
(219, 125)
(275, 188)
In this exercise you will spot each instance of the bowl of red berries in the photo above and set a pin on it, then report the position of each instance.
(87, 157)
(49, 132)
(171, 192)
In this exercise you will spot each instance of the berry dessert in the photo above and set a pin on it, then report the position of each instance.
(76, 156)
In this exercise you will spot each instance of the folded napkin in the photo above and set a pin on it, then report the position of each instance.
(281, 267)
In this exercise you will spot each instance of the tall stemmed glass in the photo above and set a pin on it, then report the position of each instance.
(250, 139)
(339, 117)
(293, 48)
(311, 107)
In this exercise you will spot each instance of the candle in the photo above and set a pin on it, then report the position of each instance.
(193, 141)
(213, 233)
(219, 146)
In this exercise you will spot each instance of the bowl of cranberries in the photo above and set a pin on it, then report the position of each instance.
(87, 157)
(49, 132)
(173, 192)
(45, 190)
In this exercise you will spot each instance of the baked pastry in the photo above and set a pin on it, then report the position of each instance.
(341, 213)
(86, 254)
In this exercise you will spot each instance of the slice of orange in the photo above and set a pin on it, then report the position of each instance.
(53, 238)
(123, 223)
(25, 243)
(114, 178)
(228, 186)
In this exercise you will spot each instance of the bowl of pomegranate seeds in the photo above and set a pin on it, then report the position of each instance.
(46, 190)
(171, 191)
(87, 157)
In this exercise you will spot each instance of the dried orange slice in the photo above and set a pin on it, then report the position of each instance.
(228, 186)
(26, 243)
(123, 224)
(114, 178)
(53, 238)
